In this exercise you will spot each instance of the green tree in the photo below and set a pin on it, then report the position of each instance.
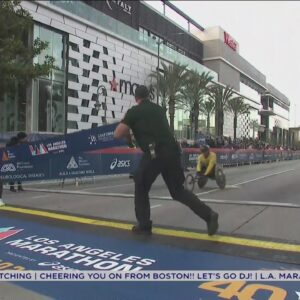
(220, 96)
(254, 125)
(193, 93)
(17, 49)
(170, 84)
(237, 107)
(208, 108)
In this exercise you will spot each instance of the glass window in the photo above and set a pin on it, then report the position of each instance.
(72, 125)
(95, 112)
(85, 103)
(95, 69)
(84, 118)
(86, 58)
(95, 82)
(105, 50)
(104, 78)
(73, 109)
(94, 125)
(49, 99)
(85, 88)
(85, 73)
(73, 77)
(105, 66)
(96, 54)
(74, 47)
(74, 62)
(72, 93)
(86, 43)
(58, 50)
(13, 110)
(57, 106)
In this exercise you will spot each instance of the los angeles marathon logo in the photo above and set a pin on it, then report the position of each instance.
(6, 232)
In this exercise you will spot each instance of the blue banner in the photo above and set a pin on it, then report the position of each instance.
(77, 142)
(70, 166)
(118, 161)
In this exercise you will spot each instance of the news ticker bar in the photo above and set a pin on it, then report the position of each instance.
(173, 275)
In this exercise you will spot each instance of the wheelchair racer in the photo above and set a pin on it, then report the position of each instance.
(207, 162)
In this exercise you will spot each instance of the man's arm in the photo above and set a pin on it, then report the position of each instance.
(199, 166)
(122, 131)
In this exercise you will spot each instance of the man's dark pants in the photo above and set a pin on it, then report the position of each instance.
(169, 165)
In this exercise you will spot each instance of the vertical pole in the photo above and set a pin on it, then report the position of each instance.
(105, 111)
(157, 79)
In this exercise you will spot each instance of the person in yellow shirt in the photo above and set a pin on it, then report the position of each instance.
(207, 162)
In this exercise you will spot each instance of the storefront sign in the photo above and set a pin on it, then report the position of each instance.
(125, 7)
(228, 40)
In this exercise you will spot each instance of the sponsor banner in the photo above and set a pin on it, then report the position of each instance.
(243, 156)
(25, 171)
(224, 157)
(119, 163)
(77, 142)
(70, 166)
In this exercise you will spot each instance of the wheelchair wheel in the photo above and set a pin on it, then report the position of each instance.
(202, 180)
(220, 179)
(189, 182)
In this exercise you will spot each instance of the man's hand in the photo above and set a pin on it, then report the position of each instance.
(121, 131)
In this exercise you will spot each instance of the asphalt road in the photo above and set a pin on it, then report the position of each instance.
(260, 200)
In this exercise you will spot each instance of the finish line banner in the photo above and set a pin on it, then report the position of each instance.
(161, 275)
(77, 142)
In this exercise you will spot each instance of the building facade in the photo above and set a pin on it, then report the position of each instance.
(104, 49)
(270, 108)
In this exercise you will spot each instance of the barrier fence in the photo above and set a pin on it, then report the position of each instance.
(121, 161)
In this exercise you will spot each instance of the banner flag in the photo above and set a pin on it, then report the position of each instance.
(78, 142)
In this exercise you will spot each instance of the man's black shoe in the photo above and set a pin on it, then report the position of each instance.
(12, 189)
(213, 225)
(20, 189)
(137, 229)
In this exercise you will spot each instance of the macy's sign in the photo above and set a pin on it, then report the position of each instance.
(230, 41)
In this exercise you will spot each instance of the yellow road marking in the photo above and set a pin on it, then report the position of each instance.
(161, 231)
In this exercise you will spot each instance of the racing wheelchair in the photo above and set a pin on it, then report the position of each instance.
(201, 180)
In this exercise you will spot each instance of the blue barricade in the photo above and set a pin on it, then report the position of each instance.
(118, 161)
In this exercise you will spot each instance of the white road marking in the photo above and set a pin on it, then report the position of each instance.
(130, 196)
(106, 187)
(265, 176)
(214, 190)
(40, 196)
(154, 206)
(256, 203)
(208, 192)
